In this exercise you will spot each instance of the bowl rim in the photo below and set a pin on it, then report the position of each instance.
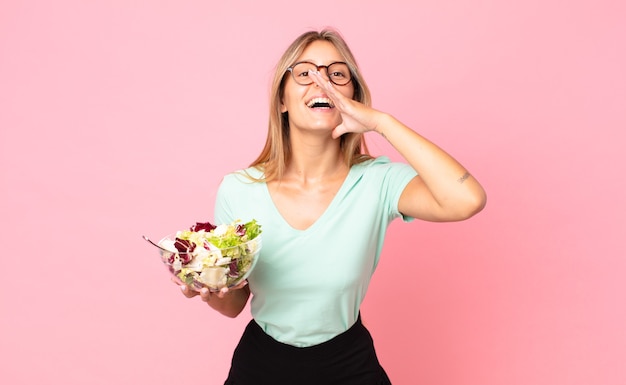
(172, 236)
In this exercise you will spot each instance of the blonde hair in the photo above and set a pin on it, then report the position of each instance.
(277, 151)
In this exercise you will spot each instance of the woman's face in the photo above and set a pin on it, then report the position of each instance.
(308, 106)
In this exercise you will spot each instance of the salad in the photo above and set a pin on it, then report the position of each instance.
(213, 256)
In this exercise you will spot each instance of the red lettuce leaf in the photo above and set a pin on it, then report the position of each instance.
(206, 226)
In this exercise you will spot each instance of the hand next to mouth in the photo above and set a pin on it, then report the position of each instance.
(356, 117)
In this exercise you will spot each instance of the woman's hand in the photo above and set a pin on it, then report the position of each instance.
(205, 293)
(228, 301)
(356, 117)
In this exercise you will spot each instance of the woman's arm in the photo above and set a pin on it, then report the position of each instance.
(443, 191)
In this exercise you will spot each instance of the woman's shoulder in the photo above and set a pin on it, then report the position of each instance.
(382, 167)
(377, 163)
(382, 159)
(248, 175)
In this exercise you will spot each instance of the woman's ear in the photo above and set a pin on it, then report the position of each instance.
(283, 108)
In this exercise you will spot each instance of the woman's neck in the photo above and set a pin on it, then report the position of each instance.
(315, 158)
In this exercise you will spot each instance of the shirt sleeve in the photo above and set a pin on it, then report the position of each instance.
(395, 177)
(405, 174)
(232, 201)
(223, 211)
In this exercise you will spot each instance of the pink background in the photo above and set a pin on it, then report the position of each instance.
(118, 118)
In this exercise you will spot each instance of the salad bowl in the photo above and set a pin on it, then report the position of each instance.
(213, 257)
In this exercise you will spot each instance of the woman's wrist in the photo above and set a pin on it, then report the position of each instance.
(383, 123)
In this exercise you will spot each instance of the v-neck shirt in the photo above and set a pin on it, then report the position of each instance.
(308, 285)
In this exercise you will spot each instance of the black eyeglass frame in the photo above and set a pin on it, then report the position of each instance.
(318, 67)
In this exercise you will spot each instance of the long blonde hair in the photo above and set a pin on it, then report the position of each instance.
(277, 151)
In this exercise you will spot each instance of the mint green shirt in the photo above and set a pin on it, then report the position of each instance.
(308, 285)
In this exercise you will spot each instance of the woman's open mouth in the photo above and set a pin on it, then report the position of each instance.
(320, 103)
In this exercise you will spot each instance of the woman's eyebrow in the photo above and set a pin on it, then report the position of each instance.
(314, 62)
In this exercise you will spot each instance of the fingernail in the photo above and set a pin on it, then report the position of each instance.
(183, 287)
(204, 291)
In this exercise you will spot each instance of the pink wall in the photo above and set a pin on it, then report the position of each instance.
(118, 118)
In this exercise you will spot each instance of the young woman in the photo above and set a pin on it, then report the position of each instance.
(324, 205)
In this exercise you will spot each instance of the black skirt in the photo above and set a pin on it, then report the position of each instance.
(347, 359)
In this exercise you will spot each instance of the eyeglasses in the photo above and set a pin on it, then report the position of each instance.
(338, 72)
